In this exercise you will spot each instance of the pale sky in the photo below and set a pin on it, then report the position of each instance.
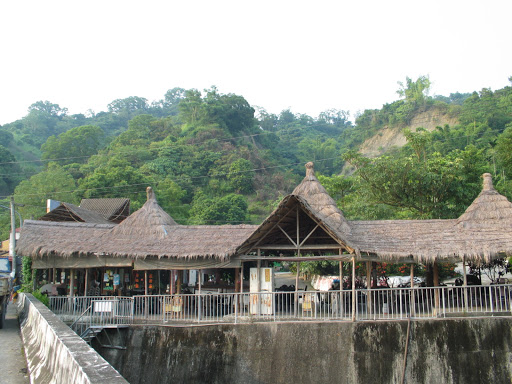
(306, 56)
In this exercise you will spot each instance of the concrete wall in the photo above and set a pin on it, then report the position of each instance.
(55, 354)
(440, 351)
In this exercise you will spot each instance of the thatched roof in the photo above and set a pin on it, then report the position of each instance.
(149, 221)
(43, 238)
(70, 212)
(489, 209)
(314, 194)
(315, 206)
(482, 233)
(111, 209)
(149, 232)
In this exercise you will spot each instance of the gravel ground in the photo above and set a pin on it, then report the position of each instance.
(12, 357)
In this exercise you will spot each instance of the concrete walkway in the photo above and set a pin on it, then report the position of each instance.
(12, 356)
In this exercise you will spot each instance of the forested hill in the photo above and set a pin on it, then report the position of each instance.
(212, 158)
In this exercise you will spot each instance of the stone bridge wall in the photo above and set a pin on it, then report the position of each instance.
(56, 354)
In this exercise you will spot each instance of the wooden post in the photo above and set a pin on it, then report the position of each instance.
(436, 291)
(368, 288)
(199, 279)
(54, 275)
(171, 286)
(258, 284)
(146, 283)
(86, 287)
(354, 303)
(341, 301)
(72, 283)
(242, 278)
(412, 304)
(466, 306)
(179, 282)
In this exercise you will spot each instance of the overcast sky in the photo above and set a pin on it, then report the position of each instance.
(306, 56)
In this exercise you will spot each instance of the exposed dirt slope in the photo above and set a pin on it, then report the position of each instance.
(390, 137)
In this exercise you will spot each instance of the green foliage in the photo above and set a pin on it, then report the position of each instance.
(240, 176)
(229, 209)
(52, 183)
(43, 298)
(75, 145)
(27, 274)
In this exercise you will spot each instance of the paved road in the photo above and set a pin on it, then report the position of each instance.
(13, 364)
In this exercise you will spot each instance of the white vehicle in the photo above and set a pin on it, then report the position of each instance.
(5, 287)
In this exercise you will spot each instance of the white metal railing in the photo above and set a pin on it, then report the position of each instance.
(369, 304)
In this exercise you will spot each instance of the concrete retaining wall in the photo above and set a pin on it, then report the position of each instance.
(55, 354)
(440, 351)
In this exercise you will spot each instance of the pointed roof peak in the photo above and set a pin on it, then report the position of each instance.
(150, 195)
(489, 208)
(311, 190)
(310, 169)
(149, 220)
(487, 182)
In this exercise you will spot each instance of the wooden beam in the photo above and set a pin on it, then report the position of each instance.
(287, 236)
(279, 247)
(307, 237)
(294, 258)
(271, 229)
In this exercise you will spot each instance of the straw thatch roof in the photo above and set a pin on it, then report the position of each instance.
(482, 233)
(322, 204)
(307, 219)
(44, 238)
(149, 232)
(149, 221)
(489, 209)
(310, 205)
(70, 212)
(111, 209)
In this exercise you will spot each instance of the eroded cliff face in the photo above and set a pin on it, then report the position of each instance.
(391, 136)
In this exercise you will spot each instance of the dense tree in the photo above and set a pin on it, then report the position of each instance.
(52, 183)
(75, 145)
(240, 176)
(229, 209)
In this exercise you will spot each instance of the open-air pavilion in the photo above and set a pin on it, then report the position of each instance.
(149, 246)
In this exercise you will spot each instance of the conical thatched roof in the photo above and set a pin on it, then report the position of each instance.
(489, 209)
(149, 221)
(321, 203)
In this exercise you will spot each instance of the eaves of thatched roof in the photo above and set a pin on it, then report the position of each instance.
(44, 238)
(67, 239)
(482, 233)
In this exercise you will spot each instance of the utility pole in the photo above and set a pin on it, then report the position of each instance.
(12, 240)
